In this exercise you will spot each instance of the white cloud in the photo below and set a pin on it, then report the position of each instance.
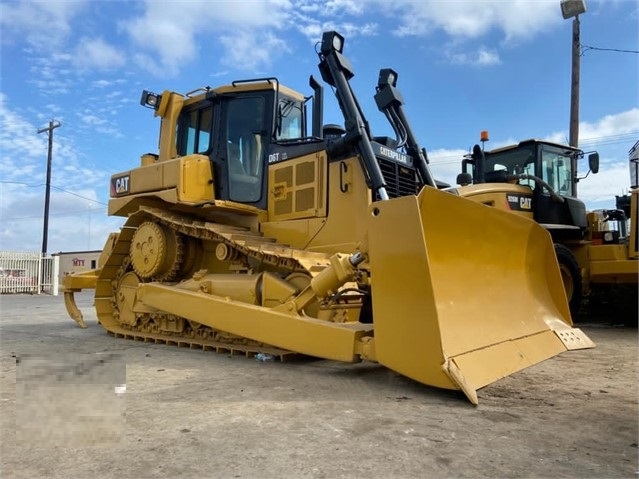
(487, 57)
(96, 53)
(248, 51)
(626, 122)
(459, 19)
(313, 29)
(74, 189)
(311, 18)
(613, 179)
(165, 34)
(445, 164)
(169, 43)
(472, 19)
(599, 191)
(343, 7)
(74, 223)
(90, 119)
(44, 24)
(106, 83)
(98, 123)
(18, 141)
(614, 125)
(482, 57)
(168, 36)
(47, 76)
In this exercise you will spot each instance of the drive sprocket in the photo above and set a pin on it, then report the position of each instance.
(156, 251)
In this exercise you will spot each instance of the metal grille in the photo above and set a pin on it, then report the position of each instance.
(305, 173)
(285, 206)
(29, 273)
(305, 199)
(400, 180)
(284, 175)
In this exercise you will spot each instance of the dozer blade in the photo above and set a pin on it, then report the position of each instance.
(464, 294)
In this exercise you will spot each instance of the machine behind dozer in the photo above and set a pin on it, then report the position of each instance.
(244, 234)
(597, 253)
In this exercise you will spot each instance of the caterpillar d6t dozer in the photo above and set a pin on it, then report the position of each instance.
(246, 235)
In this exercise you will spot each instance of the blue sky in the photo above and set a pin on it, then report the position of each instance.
(464, 66)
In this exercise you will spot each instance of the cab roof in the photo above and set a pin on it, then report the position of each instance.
(532, 141)
(259, 84)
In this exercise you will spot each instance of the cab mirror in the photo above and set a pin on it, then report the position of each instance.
(593, 162)
(464, 179)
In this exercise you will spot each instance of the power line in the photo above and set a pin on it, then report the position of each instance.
(79, 196)
(611, 139)
(55, 187)
(629, 134)
(585, 48)
(21, 183)
(57, 215)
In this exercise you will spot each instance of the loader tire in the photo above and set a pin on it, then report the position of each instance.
(571, 277)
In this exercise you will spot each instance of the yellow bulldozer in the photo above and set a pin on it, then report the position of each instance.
(596, 251)
(245, 234)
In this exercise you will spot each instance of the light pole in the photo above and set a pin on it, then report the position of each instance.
(570, 9)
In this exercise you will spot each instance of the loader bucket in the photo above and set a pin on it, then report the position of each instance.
(464, 294)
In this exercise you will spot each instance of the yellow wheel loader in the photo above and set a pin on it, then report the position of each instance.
(246, 235)
(596, 252)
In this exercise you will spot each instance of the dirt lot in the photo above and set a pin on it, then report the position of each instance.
(189, 413)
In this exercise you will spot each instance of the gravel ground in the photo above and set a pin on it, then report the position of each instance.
(188, 413)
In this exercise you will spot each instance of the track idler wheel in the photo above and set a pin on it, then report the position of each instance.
(156, 252)
(125, 298)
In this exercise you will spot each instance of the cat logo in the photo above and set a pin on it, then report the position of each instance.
(120, 185)
(518, 202)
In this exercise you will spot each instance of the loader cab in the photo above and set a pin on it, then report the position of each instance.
(548, 169)
(235, 129)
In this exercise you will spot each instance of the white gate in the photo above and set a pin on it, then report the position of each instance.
(31, 273)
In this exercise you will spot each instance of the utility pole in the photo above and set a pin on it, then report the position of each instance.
(52, 126)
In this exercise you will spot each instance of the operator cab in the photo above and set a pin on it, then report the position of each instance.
(548, 169)
(235, 130)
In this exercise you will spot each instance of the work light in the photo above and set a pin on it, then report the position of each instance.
(572, 8)
(387, 76)
(150, 100)
(332, 41)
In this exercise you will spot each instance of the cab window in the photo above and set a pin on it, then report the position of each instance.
(290, 120)
(194, 131)
(555, 170)
(244, 149)
(514, 161)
